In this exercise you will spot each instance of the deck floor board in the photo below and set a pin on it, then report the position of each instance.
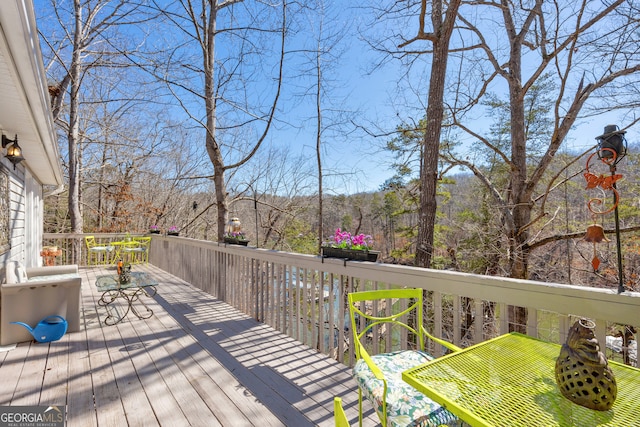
(197, 361)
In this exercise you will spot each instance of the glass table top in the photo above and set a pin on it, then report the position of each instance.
(110, 282)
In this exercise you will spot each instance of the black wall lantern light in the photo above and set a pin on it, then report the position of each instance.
(14, 152)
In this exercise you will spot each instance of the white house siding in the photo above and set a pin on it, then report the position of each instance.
(25, 218)
(25, 111)
(34, 210)
(16, 217)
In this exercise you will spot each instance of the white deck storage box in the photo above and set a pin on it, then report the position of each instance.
(44, 291)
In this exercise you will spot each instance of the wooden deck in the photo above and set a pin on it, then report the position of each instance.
(197, 361)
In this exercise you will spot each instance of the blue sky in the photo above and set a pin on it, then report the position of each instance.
(378, 101)
(374, 101)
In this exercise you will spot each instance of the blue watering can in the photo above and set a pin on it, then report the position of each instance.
(51, 328)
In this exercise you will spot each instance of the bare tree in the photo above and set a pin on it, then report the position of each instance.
(588, 55)
(575, 53)
(87, 39)
(323, 54)
(442, 17)
(271, 186)
(233, 45)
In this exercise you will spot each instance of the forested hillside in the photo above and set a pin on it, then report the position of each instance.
(468, 236)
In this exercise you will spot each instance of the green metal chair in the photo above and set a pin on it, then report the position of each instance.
(389, 338)
(97, 253)
(339, 416)
(137, 250)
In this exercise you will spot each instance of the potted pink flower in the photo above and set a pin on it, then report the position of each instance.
(350, 247)
(173, 231)
(236, 238)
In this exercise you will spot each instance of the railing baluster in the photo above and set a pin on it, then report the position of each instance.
(286, 290)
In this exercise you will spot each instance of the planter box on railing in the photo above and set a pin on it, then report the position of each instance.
(234, 241)
(349, 254)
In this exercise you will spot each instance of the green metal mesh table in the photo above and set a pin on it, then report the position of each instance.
(510, 381)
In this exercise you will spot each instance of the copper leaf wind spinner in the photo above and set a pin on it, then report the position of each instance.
(595, 232)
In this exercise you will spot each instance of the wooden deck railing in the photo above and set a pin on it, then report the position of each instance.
(74, 250)
(303, 295)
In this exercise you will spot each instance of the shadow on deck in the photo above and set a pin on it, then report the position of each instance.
(197, 361)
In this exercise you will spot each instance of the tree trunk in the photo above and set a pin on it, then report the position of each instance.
(435, 114)
(73, 134)
(213, 148)
(518, 197)
(429, 173)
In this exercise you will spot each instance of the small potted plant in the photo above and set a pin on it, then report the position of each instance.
(350, 247)
(236, 238)
(124, 273)
(154, 229)
(173, 231)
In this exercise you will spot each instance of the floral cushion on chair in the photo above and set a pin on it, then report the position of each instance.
(406, 406)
